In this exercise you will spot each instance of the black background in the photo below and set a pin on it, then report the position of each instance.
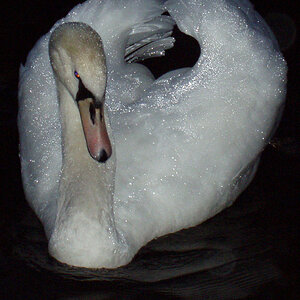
(23, 22)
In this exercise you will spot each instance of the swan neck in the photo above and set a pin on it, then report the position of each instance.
(85, 183)
(73, 139)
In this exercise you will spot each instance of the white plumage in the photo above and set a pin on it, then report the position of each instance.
(185, 145)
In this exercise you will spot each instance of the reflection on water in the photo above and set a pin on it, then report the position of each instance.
(227, 257)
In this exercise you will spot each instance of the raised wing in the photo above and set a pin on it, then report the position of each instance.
(200, 131)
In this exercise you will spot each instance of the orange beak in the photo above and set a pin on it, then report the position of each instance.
(94, 129)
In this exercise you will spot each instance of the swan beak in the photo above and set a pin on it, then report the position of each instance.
(93, 123)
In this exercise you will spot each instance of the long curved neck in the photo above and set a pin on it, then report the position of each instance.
(85, 218)
(84, 232)
(86, 184)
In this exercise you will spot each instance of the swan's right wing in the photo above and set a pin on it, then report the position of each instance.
(39, 122)
(40, 133)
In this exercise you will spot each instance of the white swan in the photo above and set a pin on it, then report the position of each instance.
(184, 146)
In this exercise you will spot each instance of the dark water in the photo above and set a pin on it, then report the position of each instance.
(249, 251)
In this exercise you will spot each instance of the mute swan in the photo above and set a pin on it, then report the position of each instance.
(182, 147)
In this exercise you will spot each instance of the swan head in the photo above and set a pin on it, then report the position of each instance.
(78, 61)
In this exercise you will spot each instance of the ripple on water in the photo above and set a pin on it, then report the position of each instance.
(225, 256)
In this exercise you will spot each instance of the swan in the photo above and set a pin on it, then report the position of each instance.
(112, 158)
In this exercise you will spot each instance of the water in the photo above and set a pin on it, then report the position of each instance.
(232, 256)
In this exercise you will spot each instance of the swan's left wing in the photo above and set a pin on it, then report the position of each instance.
(194, 139)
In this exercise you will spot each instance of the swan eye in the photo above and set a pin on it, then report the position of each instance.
(76, 74)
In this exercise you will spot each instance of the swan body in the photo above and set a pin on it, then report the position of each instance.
(184, 146)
